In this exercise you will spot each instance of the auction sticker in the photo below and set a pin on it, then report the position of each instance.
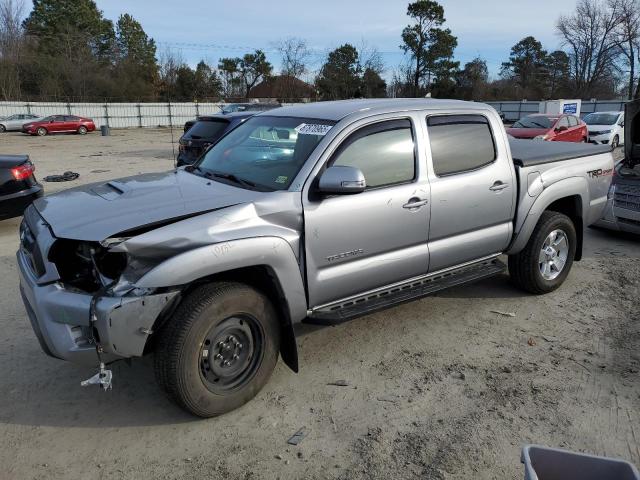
(312, 129)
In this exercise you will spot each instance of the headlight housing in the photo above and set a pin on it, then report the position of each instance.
(541, 137)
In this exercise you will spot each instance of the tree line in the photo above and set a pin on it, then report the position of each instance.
(66, 49)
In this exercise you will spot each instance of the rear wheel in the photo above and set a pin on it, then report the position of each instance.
(544, 263)
(41, 131)
(3, 129)
(82, 130)
(615, 142)
(219, 349)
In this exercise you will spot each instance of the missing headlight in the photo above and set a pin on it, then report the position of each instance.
(86, 266)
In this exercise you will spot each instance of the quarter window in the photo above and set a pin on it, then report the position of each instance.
(573, 121)
(460, 143)
(384, 152)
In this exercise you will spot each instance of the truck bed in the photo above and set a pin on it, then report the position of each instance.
(527, 153)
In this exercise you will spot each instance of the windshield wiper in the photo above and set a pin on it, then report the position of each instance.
(232, 177)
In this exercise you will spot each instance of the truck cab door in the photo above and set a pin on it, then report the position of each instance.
(358, 242)
(473, 189)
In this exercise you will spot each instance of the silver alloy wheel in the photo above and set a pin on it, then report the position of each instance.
(553, 255)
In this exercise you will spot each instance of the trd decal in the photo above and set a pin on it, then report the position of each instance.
(340, 256)
(600, 173)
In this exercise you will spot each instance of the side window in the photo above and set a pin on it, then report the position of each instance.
(573, 121)
(563, 122)
(460, 143)
(384, 152)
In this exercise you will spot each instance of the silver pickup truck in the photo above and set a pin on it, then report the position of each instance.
(314, 213)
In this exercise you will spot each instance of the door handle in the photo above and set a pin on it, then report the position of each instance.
(415, 203)
(498, 185)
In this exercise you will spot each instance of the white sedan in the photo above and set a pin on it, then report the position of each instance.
(606, 128)
(13, 123)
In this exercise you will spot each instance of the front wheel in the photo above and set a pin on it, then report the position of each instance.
(82, 130)
(3, 129)
(219, 349)
(544, 263)
(41, 132)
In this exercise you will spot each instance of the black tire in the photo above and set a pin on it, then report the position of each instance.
(185, 355)
(82, 130)
(41, 131)
(524, 267)
(3, 129)
(615, 142)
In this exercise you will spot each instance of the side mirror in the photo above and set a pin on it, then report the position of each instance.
(342, 180)
(622, 124)
(561, 128)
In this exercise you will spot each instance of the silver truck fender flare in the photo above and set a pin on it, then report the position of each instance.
(568, 187)
(272, 252)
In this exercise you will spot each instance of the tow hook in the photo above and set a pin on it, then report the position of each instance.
(102, 378)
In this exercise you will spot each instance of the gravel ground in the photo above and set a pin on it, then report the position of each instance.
(441, 388)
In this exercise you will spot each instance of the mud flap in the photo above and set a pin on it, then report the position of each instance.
(288, 346)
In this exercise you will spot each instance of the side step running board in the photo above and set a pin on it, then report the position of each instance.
(398, 293)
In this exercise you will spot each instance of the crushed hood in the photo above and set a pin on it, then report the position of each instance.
(97, 211)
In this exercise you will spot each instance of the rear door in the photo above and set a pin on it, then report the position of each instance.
(473, 189)
(575, 128)
(355, 243)
(71, 123)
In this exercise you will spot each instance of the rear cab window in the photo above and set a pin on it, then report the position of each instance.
(460, 143)
(384, 152)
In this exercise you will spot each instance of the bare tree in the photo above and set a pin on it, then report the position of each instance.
(370, 58)
(590, 35)
(11, 42)
(294, 54)
(628, 37)
(170, 61)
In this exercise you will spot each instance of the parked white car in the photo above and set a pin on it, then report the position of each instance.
(606, 128)
(13, 123)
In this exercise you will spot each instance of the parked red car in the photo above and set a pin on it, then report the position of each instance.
(553, 128)
(59, 124)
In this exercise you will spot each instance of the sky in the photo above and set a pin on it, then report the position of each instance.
(212, 29)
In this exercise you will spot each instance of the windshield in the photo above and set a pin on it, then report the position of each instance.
(535, 121)
(264, 152)
(47, 119)
(208, 129)
(600, 119)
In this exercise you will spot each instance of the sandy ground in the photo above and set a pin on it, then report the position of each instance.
(442, 388)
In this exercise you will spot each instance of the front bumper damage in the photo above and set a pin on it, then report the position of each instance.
(81, 327)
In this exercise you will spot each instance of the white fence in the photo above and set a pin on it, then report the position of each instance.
(117, 115)
(515, 110)
(131, 115)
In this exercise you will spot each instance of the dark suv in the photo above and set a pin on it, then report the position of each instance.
(206, 131)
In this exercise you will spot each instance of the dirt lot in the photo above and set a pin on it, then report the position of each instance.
(442, 388)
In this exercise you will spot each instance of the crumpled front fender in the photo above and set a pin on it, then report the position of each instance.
(124, 323)
(273, 252)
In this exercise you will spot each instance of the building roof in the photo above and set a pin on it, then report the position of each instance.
(337, 110)
(282, 86)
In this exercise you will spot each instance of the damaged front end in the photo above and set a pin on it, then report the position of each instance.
(81, 299)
